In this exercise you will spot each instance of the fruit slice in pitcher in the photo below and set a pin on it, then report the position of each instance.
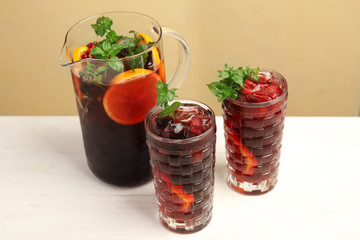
(145, 39)
(76, 57)
(128, 103)
(79, 52)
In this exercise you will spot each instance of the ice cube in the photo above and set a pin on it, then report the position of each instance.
(185, 113)
(175, 131)
(199, 124)
(160, 123)
(265, 76)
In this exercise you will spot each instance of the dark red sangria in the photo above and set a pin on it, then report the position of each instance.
(114, 78)
(182, 153)
(253, 124)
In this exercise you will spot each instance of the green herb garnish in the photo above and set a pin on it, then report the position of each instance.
(165, 95)
(92, 73)
(232, 80)
(111, 46)
(106, 50)
(102, 26)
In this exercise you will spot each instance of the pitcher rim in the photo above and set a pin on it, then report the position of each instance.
(118, 59)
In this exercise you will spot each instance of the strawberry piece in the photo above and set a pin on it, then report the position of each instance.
(262, 91)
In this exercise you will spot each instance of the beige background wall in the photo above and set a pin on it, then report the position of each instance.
(315, 44)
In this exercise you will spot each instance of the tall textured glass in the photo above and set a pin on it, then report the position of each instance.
(253, 134)
(183, 169)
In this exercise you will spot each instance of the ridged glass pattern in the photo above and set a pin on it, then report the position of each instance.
(253, 134)
(183, 173)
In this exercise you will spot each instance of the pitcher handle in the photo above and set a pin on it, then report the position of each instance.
(182, 67)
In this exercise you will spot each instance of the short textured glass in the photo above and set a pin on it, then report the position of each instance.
(183, 171)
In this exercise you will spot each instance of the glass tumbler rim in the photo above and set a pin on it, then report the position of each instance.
(280, 78)
(157, 109)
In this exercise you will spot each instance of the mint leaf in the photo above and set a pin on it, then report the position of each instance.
(100, 31)
(141, 48)
(106, 50)
(165, 95)
(129, 42)
(222, 90)
(115, 49)
(106, 22)
(89, 73)
(223, 74)
(97, 79)
(174, 106)
(232, 81)
(106, 46)
(98, 52)
(103, 24)
(116, 65)
(112, 37)
(100, 69)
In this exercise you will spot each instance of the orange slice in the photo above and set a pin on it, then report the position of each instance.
(79, 52)
(128, 103)
(130, 75)
(76, 57)
(162, 71)
(187, 199)
(250, 160)
(145, 39)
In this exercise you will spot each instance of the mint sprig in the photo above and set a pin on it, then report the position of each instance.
(103, 26)
(232, 81)
(112, 37)
(110, 48)
(92, 73)
(165, 95)
(106, 50)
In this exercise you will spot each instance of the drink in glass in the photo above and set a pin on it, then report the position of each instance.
(253, 125)
(182, 153)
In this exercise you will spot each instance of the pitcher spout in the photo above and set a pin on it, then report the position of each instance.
(65, 59)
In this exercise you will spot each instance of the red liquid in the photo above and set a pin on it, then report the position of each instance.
(183, 168)
(112, 122)
(253, 132)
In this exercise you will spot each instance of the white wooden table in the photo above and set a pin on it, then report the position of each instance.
(48, 192)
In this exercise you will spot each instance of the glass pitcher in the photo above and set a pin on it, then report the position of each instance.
(114, 94)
